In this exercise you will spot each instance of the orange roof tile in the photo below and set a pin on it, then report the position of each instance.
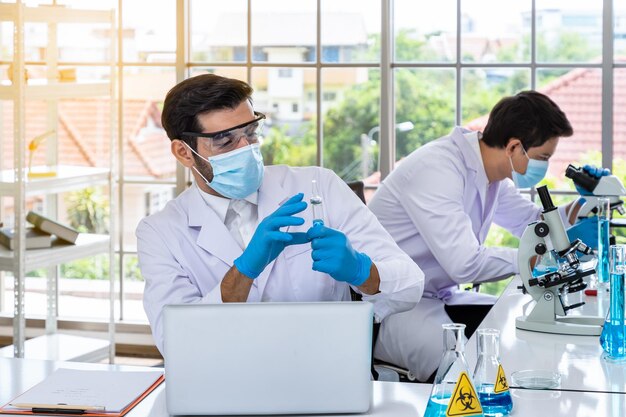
(84, 132)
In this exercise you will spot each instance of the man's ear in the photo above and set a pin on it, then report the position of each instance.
(511, 146)
(182, 153)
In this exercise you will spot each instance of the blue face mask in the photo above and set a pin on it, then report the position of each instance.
(535, 172)
(236, 174)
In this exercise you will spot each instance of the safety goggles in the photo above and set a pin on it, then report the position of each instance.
(227, 140)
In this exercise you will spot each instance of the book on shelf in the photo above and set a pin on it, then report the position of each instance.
(35, 238)
(47, 225)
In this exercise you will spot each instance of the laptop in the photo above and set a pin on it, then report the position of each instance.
(268, 358)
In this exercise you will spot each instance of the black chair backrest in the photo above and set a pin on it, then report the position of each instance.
(359, 189)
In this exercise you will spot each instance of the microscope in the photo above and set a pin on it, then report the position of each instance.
(548, 237)
(608, 186)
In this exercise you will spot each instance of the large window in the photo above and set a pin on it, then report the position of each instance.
(346, 84)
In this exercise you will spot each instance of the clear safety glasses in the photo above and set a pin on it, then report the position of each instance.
(228, 139)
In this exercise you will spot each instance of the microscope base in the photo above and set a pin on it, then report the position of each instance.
(579, 325)
(543, 319)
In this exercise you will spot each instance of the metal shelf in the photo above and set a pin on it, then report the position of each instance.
(53, 14)
(62, 347)
(60, 252)
(42, 90)
(68, 178)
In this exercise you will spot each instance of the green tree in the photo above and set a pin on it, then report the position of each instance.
(88, 210)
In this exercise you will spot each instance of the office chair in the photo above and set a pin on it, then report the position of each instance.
(381, 370)
(358, 188)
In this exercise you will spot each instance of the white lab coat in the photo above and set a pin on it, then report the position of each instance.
(185, 250)
(438, 206)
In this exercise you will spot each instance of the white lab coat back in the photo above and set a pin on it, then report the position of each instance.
(439, 205)
(185, 250)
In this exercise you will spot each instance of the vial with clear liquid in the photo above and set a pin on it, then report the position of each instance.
(489, 376)
(316, 204)
(613, 337)
(453, 391)
(604, 218)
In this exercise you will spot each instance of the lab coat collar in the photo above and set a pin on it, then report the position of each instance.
(213, 237)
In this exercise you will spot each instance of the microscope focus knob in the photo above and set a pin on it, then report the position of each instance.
(542, 229)
(540, 249)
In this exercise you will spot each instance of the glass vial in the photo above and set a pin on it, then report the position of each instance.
(489, 376)
(613, 339)
(453, 391)
(604, 218)
(316, 204)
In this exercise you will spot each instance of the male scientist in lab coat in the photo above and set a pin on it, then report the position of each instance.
(243, 231)
(438, 205)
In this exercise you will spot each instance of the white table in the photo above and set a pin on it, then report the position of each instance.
(391, 399)
(577, 358)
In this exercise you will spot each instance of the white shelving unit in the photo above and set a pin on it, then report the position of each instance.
(15, 183)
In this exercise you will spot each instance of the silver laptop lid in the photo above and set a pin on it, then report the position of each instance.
(268, 358)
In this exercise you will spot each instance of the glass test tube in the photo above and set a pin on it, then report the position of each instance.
(316, 204)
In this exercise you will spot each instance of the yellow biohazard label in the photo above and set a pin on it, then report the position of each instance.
(464, 401)
(501, 385)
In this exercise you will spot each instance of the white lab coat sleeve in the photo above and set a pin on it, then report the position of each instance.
(166, 281)
(514, 212)
(401, 280)
(432, 194)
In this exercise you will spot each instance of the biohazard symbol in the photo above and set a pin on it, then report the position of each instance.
(464, 401)
(501, 385)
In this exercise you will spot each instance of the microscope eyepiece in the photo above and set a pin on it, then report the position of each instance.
(581, 178)
(546, 200)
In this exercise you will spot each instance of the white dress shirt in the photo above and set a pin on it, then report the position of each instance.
(239, 216)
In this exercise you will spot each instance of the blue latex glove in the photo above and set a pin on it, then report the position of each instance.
(333, 254)
(585, 230)
(268, 241)
(596, 172)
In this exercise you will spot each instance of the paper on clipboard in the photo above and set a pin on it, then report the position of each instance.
(113, 390)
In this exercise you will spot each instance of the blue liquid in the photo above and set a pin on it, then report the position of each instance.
(437, 407)
(603, 250)
(494, 404)
(540, 270)
(613, 339)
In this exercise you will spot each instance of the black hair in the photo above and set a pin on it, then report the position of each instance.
(197, 95)
(529, 116)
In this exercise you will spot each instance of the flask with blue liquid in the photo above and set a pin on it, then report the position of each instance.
(453, 391)
(545, 264)
(489, 377)
(613, 337)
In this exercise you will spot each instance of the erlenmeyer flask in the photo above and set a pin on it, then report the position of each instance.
(489, 377)
(613, 337)
(545, 264)
(453, 392)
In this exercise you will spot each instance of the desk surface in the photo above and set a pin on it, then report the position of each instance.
(577, 358)
(390, 398)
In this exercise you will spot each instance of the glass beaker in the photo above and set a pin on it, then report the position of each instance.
(453, 391)
(604, 218)
(613, 339)
(489, 376)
